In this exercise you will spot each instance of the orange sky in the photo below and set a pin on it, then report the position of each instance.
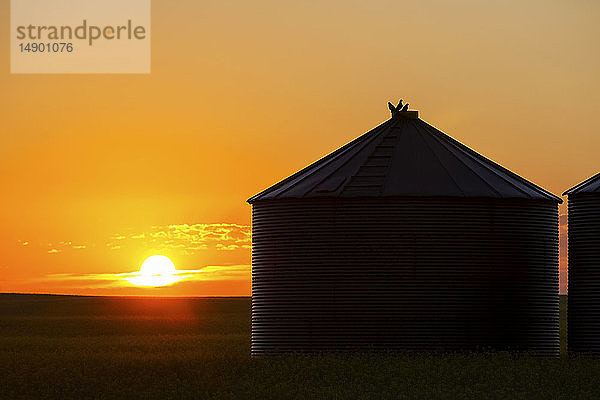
(108, 169)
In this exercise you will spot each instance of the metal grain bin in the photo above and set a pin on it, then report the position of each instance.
(584, 267)
(404, 239)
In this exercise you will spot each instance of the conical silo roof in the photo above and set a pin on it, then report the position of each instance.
(591, 185)
(404, 156)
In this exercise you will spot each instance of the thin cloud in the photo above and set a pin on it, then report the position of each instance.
(59, 247)
(188, 238)
(108, 280)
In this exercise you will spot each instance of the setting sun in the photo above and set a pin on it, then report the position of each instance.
(156, 271)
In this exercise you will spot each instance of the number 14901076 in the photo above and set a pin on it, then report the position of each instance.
(46, 47)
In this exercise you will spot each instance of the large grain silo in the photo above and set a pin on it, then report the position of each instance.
(584, 267)
(404, 239)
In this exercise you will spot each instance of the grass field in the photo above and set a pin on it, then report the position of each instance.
(60, 347)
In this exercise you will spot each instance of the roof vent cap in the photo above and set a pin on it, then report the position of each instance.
(401, 111)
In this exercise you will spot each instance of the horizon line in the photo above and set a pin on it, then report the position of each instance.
(122, 296)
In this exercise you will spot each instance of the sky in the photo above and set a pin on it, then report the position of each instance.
(100, 171)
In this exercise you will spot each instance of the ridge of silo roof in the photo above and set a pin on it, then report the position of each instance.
(404, 156)
(590, 185)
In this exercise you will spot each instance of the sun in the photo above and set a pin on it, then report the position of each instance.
(156, 271)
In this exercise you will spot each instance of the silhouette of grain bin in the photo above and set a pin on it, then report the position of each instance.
(404, 239)
(584, 267)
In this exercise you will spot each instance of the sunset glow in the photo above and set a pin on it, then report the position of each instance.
(101, 171)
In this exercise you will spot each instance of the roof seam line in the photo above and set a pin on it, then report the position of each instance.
(440, 161)
(334, 156)
(368, 142)
(469, 168)
(482, 164)
(387, 175)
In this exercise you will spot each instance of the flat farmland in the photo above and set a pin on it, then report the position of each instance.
(69, 347)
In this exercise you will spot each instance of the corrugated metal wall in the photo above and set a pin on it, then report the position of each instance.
(352, 274)
(584, 273)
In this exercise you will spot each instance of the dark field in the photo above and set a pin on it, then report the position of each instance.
(118, 348)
